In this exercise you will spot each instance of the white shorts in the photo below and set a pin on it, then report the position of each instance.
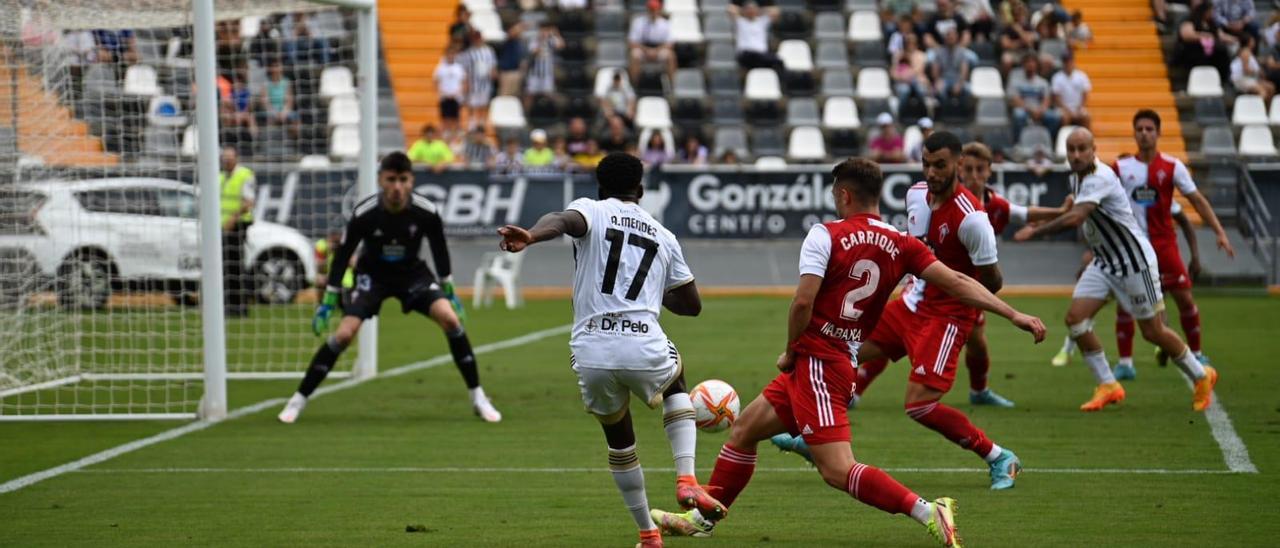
(1138, 293)
(608, 391)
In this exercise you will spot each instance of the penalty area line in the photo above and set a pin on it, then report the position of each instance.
(108, 454)
(589, 470)
(1234, 452)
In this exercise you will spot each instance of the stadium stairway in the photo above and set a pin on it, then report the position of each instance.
(414, 35)
(47, 129)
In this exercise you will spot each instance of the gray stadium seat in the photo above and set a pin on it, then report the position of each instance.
(869, 54)
(731, 138)
(832, 55)
(721, 55)
(1034, 137)
(689, 84)
(802, 112)
(716, 25)
(160, 142)
(829, 26)
(837, 82)
(611, 53)
(767, 142)
(611, 23)
(992, 112)
(726, 110)
(725, 82)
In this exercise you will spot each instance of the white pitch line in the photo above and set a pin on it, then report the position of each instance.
(585, 470)
(106, 455)
(1234, 451)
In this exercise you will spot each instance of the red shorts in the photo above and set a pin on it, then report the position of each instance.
(813, 399)
(1173, 272)
(932, 342)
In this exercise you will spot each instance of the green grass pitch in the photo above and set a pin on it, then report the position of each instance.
(363, 464)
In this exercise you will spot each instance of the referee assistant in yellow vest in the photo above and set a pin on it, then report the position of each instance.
(238, 190)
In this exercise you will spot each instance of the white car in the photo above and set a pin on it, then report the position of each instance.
(91, 237)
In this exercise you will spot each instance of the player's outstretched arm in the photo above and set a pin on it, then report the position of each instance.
(1071, 219)
(970, 292)
(683, 300)
(1205, 210)
(1189, 232)
(552, 225)
(799, 316)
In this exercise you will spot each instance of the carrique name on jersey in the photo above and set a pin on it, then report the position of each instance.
(847, 334)
(866, 237)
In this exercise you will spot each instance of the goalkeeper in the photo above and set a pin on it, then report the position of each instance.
(389, 228)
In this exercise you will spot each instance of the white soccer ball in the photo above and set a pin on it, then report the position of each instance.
(716, 405)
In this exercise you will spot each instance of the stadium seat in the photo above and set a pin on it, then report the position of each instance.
(1275, 111)
(1060, 145)
(160, 142)
(770, 163)
(870, 109)
(842, 143)
(1218, 141)
(709, 6)
(189, 139)
(992, 112)
(1034, 137)
(668, 140)
(653, 112)
(689, 84)
(912, 110)
(721, 55)
(725, 82)
(688, 112)
(911, 137)
(791, 25)
(873, 83)
(99, 79)
(314, 161)
(802, 112)
(249, 27)
(344, 110)
(574, 54)
(762, 85)
(574, 81)
(580, 107)
(864, 26)
(726, 110)
(840, 113)
(344, 142)
(763, 113)
(1204, 81)
(795, 55)
(1249, 110)
(506, 111)
(1257, 141)
(999, 138)
(686, 28)
(611, 53)
(731, 138)
(479, 5)
(986, 52)
(825, 5)
(717, 26)
(680, 7)
(489, 25)
(985, 83)
(604, 79)
(806, 144)
(141, 80)
(869, 54)
(336, 81)
(1210, 111)
(861, 5)
(829, 26)
(767, 141)
(799, 83)
(543, 111)
(832, 55)
(837, 82)
(652, 82)
(611, 24)
(165, 111)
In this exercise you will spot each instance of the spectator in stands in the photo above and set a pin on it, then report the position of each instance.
(231, 52)
(1040, 163)
(650, 41)
(619, 100)
(121, 46)
(886, 146)
(1202, 42)
(752, 35)
(539, 157)
(943, 20)
(479, 151)
(541, 79)
(451, 82)
(1071, 87)
(511, 60)
(576, 143)
(1247, 75)
(893, 11)
(616, 138)
(1271, 34)
(980, 16)
(430, 150)
(79, 47)
(897, 38)
(510, 161)
(1017, 39)
(460, 29)
(909, 71)
(302, 47)
(240, 118)
(1031, 98)
(728, 158)
(561, 149)
(482, 69)
(655, 150)
(694, 152)
(589, 159)
(267, 45)
(1079, 34)
(1237, 18)
(916, 153)
(276, 101)
(1049, 23)
(951, 63)
(1269, 50)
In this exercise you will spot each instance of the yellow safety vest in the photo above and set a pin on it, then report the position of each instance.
(231, 188)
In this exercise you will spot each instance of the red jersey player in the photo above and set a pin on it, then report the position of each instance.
(1150, 178)
(848, 269)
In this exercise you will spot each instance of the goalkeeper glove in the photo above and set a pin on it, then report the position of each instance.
(320, 322)
(454, 301)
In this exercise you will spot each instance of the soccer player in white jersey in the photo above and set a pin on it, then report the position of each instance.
(627, 268)
(1124, 265)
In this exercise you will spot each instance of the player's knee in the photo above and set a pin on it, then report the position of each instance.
(345, 334)
(1078, 327)
(1152, 330)
(835, 475)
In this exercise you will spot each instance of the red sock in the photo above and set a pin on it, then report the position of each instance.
(1124, 333)
(952, 424)
(979, 364)
(732, 472)
(873, 487)
(1191, 328)
(867, 373)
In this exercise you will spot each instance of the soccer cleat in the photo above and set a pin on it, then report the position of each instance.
(789, 444)
(291, 410)
(942, 525)
(1104, 395)
(691, 496)
(989, 397)
(650, 539)
(1125, 372)
(1004, 470)
(1162, 359)
(1204, 389)
(1061, 359)
(685, 524)
(1204, 360)
(485, 410)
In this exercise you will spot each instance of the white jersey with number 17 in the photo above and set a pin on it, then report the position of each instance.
(624, 264)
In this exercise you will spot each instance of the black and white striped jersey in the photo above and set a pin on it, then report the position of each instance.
(1119, 246)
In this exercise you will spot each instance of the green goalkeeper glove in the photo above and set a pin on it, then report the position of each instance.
(320, 322)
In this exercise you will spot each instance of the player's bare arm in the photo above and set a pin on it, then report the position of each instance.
(1205, 210)
(683, 300)
(990, 277)
(974, 294)
(552, 225)
(799, 316)
(1071, 219)
(1189, 232)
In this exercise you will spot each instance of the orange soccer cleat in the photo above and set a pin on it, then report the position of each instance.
(690, 495)
(1204, 389)
(650, 539)
(1104, 395)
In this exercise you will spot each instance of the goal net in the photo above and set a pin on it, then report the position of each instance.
(100, 246)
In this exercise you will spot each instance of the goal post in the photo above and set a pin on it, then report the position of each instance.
(103, 328)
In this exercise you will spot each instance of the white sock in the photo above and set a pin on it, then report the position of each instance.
(629, 477)
(679, 420)
(1097, 362)
(994, 454)
(1126, 361)
(1069, 345)
(1190, 364)
(922, 511)
(477, 394)
(297, 400)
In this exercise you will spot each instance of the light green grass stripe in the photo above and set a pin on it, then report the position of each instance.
(588, 470)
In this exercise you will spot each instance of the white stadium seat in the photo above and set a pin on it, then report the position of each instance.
(653, 112)
(604, 79)
(1257, 141)
(141, 80)
(314, 161)
(489, 25)
(873, 83)
(686, 27)
(1204, 81)
(344, 110)
(985, 83)
(1060, 145)
(912, 137)
(864, 26)
(806, 144)
(344, 142)
(762, 85)
(336, 81)
(796, 55)
(680, 7)
(841, 113)
(769, 163)
(1249, 110)
(249, 27)
(498, 269)
(506, 111)
(1275, 111)
(189, 148)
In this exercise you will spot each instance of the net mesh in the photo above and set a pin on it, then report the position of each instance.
(99, 235)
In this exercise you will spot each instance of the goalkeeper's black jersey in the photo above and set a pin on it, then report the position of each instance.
(390, 243)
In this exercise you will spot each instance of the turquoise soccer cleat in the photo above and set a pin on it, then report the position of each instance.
(790, 444)
(1004, 470)
(1125, 372)
(989, 397)
(1204, 360)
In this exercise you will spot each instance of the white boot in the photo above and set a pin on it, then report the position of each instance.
(292, 409)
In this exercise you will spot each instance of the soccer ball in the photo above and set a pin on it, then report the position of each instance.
(716, 405)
